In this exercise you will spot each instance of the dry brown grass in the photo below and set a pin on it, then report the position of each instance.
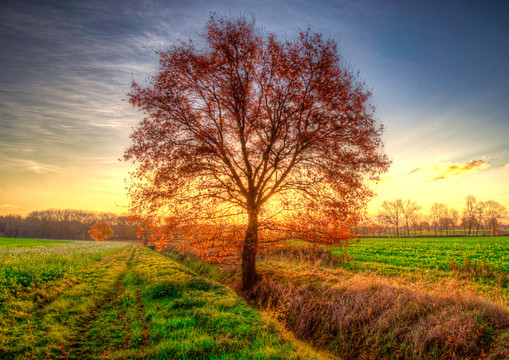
(361, 316)
(314, 254)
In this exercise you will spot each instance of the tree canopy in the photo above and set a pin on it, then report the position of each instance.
(100, 231)
(251, 135)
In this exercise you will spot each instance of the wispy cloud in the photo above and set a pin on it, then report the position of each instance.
(506, 166)
(7, 206)
(13, 164)
(448, 170)
(445, 171)
(384, 179)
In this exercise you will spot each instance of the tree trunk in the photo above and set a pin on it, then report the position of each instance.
(249, 276)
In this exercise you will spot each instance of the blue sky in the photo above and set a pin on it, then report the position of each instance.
(438, 70)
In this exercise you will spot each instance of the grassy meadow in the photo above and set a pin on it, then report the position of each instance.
(432, 252)
(80, 300)
(416, 298)
(419, 298)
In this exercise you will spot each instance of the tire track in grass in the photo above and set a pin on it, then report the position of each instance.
(49, 330)
(117, 328)
(77, 346)
(73, 281)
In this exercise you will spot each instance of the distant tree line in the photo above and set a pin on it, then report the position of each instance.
(404, 218)
(65, 224)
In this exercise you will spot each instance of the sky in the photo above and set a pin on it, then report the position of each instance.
(438, 71)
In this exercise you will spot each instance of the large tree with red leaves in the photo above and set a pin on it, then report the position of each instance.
(276, 135)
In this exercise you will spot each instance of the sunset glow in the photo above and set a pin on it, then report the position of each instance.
(439, 87)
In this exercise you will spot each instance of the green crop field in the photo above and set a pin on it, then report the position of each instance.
(78, 300)
(17, 242)
(24, 268)
(435, 253)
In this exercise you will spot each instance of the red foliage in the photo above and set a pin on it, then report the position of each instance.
(100, 231)
(252, 130)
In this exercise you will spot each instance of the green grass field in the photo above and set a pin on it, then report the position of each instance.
(24, 268)
(111, 300)
(434, 253)
(80, 300)
(17, 242)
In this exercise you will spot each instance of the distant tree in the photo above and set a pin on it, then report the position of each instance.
(11, 226)
(67, 224)
(381, 221)
(100, 231)
(372, 228)
(253, 131)
(438, 214)
(368, 227)
(493, 211)
(393, 211)
(416, 223)
(425, 225)
(409, 210)
(469, 214)
(444, 220)
(453, 219)
(480, 218)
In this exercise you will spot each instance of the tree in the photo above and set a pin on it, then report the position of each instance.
(393, 211)
(100, 231)
(493, 211)
(480, 217)
(469, 218)
(453, 219)
(417, 221)
(381, 219)
(276, 135)
(409, 210)
(425, 224)
(439, 213)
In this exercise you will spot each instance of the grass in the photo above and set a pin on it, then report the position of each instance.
(364, 315)
(388, 299)
(42, 261)
(125, 302)
(79, 300)
(435, 253)
(25, 243)
(481, 263)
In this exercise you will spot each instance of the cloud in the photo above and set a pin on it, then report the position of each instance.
(446, 171)
(15, 164)
(413, 171)
(384, 179)
(7, 206)
(506, 166)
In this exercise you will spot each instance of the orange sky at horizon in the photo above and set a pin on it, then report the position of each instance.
(103, 188)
